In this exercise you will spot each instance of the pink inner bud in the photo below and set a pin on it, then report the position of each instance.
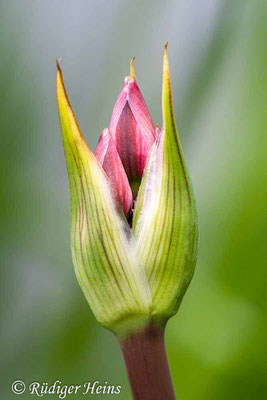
(132, 129)
(107, 154)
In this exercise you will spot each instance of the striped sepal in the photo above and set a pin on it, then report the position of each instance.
(165, 219)
(113, 283)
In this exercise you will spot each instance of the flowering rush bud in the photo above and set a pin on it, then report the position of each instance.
(132, 130)
(108, 156)
(133, 259)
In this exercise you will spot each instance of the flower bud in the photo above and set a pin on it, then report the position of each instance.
(106, 153)
(132, 130)
(132, 273)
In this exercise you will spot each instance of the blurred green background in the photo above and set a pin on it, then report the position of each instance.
(218, 60)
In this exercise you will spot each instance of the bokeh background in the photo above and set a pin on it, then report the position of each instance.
(218, 59)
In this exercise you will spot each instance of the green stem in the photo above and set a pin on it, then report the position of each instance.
(147, 365)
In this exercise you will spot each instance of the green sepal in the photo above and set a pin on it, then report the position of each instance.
(112, 281)
(165, 219)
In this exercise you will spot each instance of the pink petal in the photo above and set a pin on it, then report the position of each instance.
(106, 153)
(132, 129)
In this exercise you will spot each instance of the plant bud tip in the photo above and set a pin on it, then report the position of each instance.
(58, 61)
(132, 71)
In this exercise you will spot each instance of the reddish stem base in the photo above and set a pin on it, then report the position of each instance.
(147, 365)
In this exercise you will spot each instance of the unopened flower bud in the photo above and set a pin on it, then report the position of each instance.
(107, 154)
(132, 130)
(133, 273)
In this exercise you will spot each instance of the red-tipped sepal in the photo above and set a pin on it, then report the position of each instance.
(107, 154)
